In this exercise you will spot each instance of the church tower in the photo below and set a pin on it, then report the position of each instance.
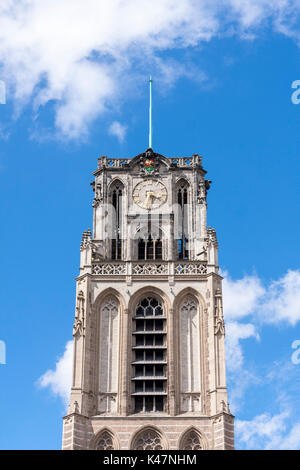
(149, 359)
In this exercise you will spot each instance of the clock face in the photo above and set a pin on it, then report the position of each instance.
(150, 194)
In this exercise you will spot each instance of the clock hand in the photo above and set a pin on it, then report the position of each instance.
(157, 196)
(151, 194)
(147, 202)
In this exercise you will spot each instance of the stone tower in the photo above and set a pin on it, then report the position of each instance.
(149, 362)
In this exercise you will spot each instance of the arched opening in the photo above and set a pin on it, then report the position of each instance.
(149, 351)
(190, 355)
(191, 440)
(108, 356)
(148, 439)
(149, 248)
(115, 200)
(182, 196)
(105, 441)
(149, 239)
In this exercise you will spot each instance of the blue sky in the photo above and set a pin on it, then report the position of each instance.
(76, 88)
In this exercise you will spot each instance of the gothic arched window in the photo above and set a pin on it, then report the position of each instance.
(149, 378)
(108, 343)
(191, 441)
(190, 355)
(149, 248)
(149, 238)
(105, 441)
(115, 199)
(182, 193)
(148, 439)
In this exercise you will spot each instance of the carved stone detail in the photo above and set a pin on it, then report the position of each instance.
(192, 441)
(105, 441)
(212, 236)
(86, 239)
(150, 268)
(148, 440)
(78, 327)
(109, 269)
(190, 268)
(189, 305)
(149, 163)
(98, 199)
(219, 319)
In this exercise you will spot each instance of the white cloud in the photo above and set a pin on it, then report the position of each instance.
(234, 333)
(118, 130)
(291, 441)
(282, 302)
(80, 56)
(269, 432)
(241, 297)
(262, 432)
(278, 302)
(60, 379)
(275, 303)
(248, 305)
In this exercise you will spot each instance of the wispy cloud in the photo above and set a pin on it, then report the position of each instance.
(263, 431)
(118, 130)
(282, 302)
(241, 296)
(269, 432)
(76, 54)
(235, 333)
(59, 379)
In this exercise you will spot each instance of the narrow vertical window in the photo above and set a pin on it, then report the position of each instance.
(109, 329)
(183, 222)
(190, 355)
(116, 194)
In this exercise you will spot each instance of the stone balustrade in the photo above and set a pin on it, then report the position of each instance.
(181, 162)
(146, 268)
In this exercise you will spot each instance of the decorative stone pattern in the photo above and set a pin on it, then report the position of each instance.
(148, 440)
(109, 269)
(192, 441)
(78, 325)
(180, 162)
(190, 268)
(150, 268)
(86, 239)
(117, 162)
(105, 442)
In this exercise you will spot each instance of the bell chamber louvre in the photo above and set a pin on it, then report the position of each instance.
(149, 334)
(149, 380)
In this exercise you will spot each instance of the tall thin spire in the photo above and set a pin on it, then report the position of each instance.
(150, 113)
